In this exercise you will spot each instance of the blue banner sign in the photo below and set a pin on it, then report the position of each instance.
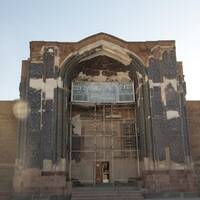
(102, 92)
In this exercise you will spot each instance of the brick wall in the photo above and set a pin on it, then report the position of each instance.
(193, 114)
(8, 127)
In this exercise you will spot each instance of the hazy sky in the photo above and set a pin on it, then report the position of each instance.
(22, 21)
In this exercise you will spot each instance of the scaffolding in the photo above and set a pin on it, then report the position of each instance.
(103, 133)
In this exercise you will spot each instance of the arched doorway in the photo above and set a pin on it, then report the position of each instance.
(107, 136)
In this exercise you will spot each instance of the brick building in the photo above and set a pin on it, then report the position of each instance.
(103, 111)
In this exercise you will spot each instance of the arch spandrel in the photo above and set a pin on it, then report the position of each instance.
(101, 47)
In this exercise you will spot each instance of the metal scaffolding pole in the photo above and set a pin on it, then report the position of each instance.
(95, 136)
(112, 144)
(70, 144)
(137, 152)
(104, 130)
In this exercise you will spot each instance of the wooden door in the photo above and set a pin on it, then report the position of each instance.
(98, 172)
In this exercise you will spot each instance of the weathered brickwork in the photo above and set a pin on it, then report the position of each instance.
(193, 115)
(8, 139)
(36, 70)
(47, 130)
(171, 181)
(45, 138)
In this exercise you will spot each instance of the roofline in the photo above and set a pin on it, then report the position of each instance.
(102, 34)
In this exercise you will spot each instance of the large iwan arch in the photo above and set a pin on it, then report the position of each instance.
(136, 72)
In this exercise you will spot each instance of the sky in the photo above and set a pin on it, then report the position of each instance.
(22, 21)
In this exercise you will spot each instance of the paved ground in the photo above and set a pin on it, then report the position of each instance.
(192, 198)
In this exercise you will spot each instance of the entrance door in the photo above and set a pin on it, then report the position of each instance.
(102, 172)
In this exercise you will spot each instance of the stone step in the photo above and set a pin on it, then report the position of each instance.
(107, 192)
(108, 198)
(108, 195)
(104, 193)
(4, 195)
(108, 188)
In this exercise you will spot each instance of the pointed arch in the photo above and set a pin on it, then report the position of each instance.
(137, 69)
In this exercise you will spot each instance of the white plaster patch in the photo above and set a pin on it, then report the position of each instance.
(57, 60)
(84, 77)
(163, 85)
(61, 166)
(149, 164)
(46, 87)
(47, 165)
(76, 122)
(51, 49)
(49, 88)
(33, 61)
(42, 50)
(139, 75)
(172, 114)
(36, 83)
(138, 92)
(152, 84)
(166, 165)
(60, 82)
(146, 78)
(121, 76)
